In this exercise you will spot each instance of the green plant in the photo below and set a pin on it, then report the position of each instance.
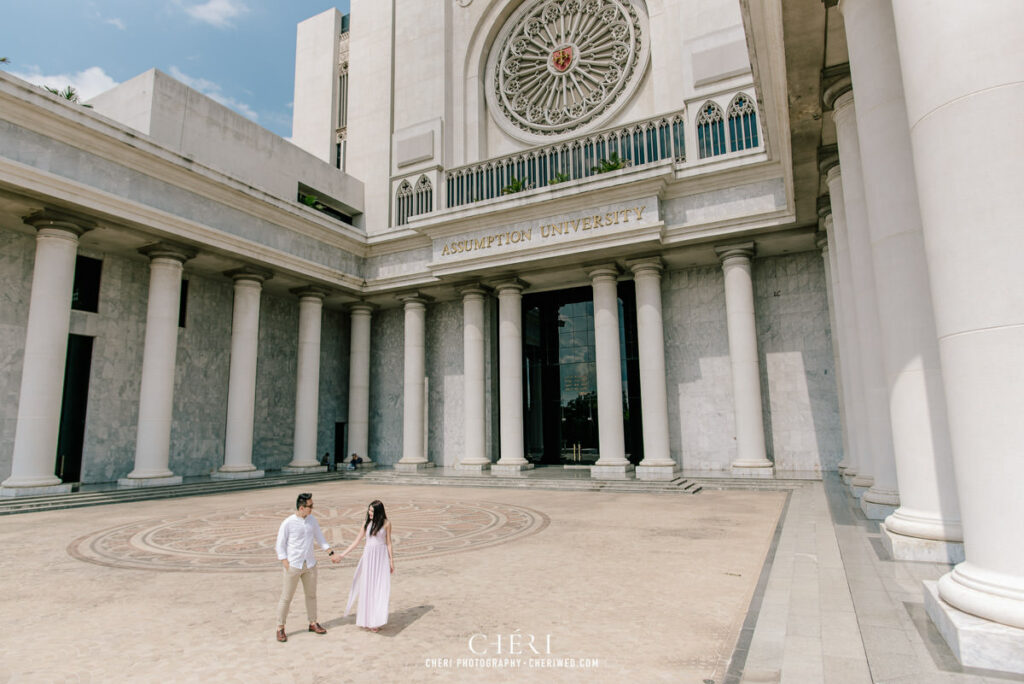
(69, 94)
(311, 201)
(514, 185)
(4, 60)
(558, 178)
(612, 163)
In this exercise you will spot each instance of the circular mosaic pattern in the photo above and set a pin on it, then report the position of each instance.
(243, 540)
(561, 66)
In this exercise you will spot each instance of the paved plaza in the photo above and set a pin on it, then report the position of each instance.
(495, 584)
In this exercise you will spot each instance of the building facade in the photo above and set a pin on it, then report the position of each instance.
(640, 236)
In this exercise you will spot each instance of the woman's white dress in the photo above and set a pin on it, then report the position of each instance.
(372, 582)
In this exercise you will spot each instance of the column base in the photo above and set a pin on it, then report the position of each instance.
(509, 469)
(236, 474)
(876, 511)
(904, 548)
(859, 485)
(303, 470)
(618, 471)
(412, 467)
(763, 472)
(45, 490)
(473, 467)
(975, 642)
(136, 482)
(849, 474)
(667, 471)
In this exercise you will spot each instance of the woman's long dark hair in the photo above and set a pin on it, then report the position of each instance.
(379, 517)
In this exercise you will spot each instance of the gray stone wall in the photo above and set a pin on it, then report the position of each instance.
(387, 359)
(800, 399)
(17, 254)
(446, 378)
(700, 407)
(801, 411)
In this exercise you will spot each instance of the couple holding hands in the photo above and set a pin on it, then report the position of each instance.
(371, 582)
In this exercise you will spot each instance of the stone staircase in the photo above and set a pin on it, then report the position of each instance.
(676, 486)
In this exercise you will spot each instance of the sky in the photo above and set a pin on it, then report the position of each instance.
(241, 53)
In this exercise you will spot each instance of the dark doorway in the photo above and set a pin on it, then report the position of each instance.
(339, 446)
(560, 377)
(71, 436)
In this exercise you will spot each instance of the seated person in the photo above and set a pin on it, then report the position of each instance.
(354, 462)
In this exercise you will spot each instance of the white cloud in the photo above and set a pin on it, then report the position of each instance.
(214, 92)
(114, 21)
(88, 82)
(217, 13)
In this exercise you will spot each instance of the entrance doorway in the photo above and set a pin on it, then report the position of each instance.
(71, 436)
(560, 377)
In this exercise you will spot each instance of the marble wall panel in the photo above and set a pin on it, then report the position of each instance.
(445, 408)
(800, 398)
(276, 364)
(387, 360)
(699, 375)
(17, 255)
(201, 378)
(335, 342)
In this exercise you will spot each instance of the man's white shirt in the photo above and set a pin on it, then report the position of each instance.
(295, 540)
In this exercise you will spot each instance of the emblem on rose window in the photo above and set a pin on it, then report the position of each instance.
(561, 59)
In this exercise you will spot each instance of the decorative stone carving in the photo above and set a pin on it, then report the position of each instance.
(566, 66)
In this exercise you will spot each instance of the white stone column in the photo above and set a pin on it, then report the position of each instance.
(751, 455)
(305, 456)
(877, 455)
(245, 335)
(850, 357)
(657, 463)
(474, 453)
(359, 385)
(510, 378)
(611, 463)
(156, 395)
(414, 445)
(46, 344)
(963, 110)
(923, 464)
(825, 239)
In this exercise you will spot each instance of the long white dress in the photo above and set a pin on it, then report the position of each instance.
(372, 582)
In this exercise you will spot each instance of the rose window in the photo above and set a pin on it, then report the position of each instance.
(561, 66)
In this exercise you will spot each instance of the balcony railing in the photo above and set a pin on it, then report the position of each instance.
(637, 144)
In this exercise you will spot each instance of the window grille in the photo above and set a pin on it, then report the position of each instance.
(742, 123)
(423, 197)
(710, 131)
(404, 203)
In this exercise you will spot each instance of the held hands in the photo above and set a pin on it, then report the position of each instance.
(336, 557)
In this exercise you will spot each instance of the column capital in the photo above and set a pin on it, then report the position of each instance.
(836, 88)
(742, 249)
(842, 107)
(249, 273)
(821, 241)
(413, 297)
(824, 205)
(167, 250)
(828, 157)
(646, 265)
(474, 290)
(310, 292)
(608, 270)
(361, 308)
(510, 284)
(49, 218)
(833, 174)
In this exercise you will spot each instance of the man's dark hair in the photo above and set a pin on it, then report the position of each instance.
(303, 500)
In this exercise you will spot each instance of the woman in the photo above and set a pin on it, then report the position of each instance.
(372, 580)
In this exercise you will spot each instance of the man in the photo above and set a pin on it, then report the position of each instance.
(295, 551)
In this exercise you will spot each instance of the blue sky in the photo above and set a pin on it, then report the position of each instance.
(239, 52)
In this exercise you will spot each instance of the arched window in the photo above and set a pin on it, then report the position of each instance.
(710, 130)
(424, 197)
(403, 203)
(742, 123)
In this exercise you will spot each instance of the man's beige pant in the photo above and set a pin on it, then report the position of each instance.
(291, 580)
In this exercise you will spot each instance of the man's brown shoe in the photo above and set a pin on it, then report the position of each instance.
(315, 627)
(281, 636)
